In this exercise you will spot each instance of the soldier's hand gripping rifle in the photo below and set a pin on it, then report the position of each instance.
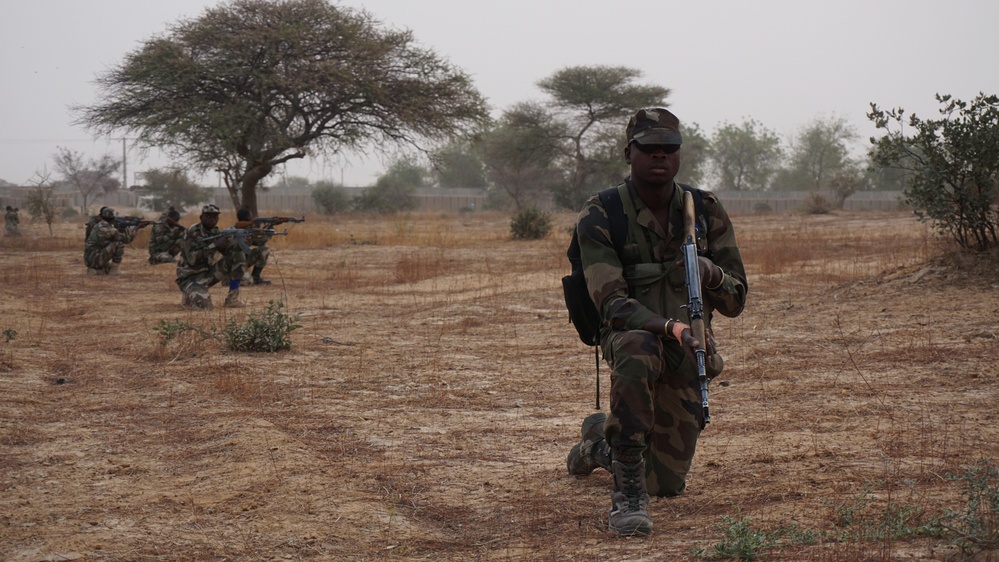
(240, 235)
(695, 303)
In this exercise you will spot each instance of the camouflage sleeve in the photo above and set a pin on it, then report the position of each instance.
(604, 272)
(195, 251)
(730, 297)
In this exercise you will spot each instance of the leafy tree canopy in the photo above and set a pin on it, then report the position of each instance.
(953, 165)
(745, 156)
(173, 188)
(593, 104)
(252, 84)
(521, 153)
(820, 151)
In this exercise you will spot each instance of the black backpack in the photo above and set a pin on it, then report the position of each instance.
(582, 312)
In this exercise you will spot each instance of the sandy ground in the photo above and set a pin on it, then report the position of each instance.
(429, 399)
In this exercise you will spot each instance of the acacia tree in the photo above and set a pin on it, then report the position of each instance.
(594, 103)
(745, 156)
(94, 176)
(252, 84)
(520, 153)
(953, 165)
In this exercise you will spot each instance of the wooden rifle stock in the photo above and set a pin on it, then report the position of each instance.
(695, 303)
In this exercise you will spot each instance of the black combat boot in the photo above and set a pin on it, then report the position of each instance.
(257, 279)
(630, 500)
(592, 451)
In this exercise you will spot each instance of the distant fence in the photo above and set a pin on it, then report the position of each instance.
(792, 201)
(453, 200)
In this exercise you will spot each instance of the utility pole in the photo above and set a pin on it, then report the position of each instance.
(124, 163)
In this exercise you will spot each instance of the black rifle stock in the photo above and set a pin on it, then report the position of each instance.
(695, 303)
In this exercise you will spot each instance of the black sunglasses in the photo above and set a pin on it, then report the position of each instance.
(653, 148)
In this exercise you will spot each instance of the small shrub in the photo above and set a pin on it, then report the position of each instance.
(330, 199)
(977, 527)
(531, 224)
(762, 207)
(269, 330)
(816, 204)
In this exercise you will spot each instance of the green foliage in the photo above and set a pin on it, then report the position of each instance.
(459, 165)
(269, 330)
(860, 519)
(952, 165)
(252, 84)
(590, 107)
(741, 541)
(530, 224)
(330, 199)
(976, 528)
(694, 157)
(745, 156)
(395, 190)
(9, 334)
(520, 154)
(173, 188)
(820, 151)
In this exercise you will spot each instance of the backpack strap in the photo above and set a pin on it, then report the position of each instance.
(613, 205)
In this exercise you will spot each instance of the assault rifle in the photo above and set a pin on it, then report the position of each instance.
(240, 235)
(695, 304)
(122, 223)
(274, 221)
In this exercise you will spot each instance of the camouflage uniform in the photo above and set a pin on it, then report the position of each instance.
(197, 268)
(105, 246)
(165, 242)
(259, 252)
(11, 222)
(655, 396)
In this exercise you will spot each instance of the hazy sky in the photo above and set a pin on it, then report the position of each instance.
(782, 62)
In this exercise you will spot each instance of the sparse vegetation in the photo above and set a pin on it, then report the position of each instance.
(268, 330)
(433, 388)
(530, 224)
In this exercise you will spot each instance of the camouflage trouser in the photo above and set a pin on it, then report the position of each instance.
(655, 407)
(102, 258)
(258, 256)
(165, 254)
(232, 265)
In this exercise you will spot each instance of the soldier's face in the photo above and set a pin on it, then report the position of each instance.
(655, 164)
(210, 220)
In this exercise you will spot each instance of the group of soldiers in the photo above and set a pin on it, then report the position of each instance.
(204, 254)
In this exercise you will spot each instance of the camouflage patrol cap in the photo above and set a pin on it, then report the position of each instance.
(209, 210)
(653, 126)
